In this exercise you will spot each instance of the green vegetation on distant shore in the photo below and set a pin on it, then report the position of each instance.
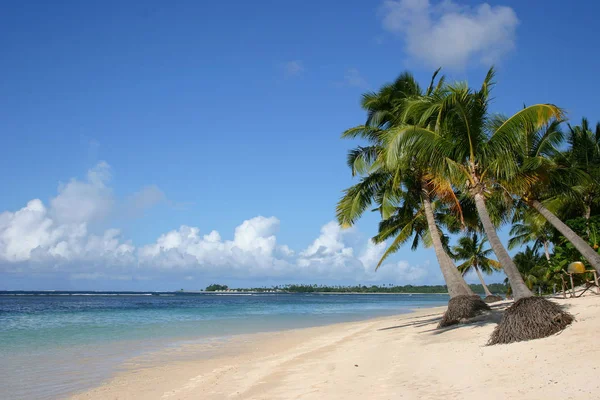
(428, 289)
(214, 287)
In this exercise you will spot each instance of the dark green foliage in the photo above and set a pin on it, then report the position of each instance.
(499, 288)
(214, 287)
(588, 229)
(530, 318)
(471, 249)
(583, 153)
(533, 268)
(543, 276)
(301, 288)
(461, 308)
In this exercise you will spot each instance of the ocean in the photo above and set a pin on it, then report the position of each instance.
(56, 343)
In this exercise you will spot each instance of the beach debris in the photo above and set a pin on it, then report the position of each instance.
(461, 308)
(530, 318)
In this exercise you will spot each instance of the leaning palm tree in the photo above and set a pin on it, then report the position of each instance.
(584, 154)
(404, 192)
(478, 154)
(476, 258)
(548, 179)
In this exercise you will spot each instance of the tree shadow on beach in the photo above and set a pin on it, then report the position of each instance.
(490, 317)
(419, 323)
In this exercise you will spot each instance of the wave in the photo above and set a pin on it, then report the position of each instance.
(234, 294)
(78, 294)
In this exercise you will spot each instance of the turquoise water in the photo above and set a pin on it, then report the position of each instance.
(55, 343)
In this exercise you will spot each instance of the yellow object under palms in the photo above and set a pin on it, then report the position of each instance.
(576, 267)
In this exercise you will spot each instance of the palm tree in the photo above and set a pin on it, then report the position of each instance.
(404, 194)
(478, 153)
(547, 176)
(473, 151)
(531, 266)
(471, 249)
(528, 230)
(584, 153)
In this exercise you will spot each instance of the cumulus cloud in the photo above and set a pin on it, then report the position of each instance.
(447, 34)
(84, 201)
(51, 239)
(252, 252)
(34, 234)
(401, 271)
(329, 242)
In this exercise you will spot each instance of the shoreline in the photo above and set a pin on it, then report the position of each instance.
(377, 358)
(199, 355)
(55, 361)
(402, 294)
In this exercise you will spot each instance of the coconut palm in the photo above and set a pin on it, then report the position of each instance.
(529, 230)
(532, 267)
(403, 193)
(549, 179)
(409, 223)
(472, 151)
(471, 249)
(584, 153)
(478, 153)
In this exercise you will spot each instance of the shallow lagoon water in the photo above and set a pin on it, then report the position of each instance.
(55, 343)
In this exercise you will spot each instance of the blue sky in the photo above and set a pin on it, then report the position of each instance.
(129, 121)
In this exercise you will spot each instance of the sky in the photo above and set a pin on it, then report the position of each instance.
(149, 145)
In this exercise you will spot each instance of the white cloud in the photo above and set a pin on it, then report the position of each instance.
(98, 275)
(400, 271)
(285, 251)
(84, 201)
(328, 243)
(252, 250)
(60, 234)
(33, 234)
(372, 254)
(52, 240)
(450, 35)
(24, 230)
(293, 68)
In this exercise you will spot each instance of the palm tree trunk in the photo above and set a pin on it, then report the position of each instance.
(517, 284)
(454, 281)
(588, 212)
(546, 250)
(485, 288)
(585, 249)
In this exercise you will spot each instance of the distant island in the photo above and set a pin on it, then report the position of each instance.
(497, 288)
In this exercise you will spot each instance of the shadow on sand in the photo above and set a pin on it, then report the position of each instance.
(489, 317)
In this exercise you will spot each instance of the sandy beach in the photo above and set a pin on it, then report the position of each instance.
(385, 358)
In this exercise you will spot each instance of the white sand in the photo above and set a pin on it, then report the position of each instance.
(401, 357)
